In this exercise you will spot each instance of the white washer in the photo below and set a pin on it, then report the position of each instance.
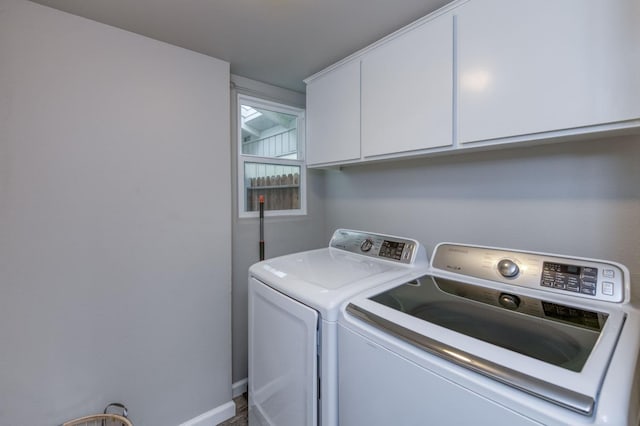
(294, 305)
(493, 337)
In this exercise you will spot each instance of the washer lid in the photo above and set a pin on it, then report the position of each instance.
(536, 348)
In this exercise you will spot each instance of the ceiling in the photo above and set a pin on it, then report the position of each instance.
(280, 42)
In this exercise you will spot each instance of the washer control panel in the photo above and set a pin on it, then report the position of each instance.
(397, 249)
(579, 279)
(589, 278)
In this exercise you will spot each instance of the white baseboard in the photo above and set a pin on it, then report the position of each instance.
(221, 413)
(239, 387)
(213, 417)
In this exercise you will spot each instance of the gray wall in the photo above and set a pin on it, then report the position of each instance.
(283, 234)
(579, 198)
(114, 223)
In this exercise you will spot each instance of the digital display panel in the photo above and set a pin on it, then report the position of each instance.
(577, 279)
(564, 269)
(391, 249)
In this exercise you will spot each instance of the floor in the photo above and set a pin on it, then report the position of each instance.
(240, 419)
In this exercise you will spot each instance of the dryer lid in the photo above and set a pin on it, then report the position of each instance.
(328, 269)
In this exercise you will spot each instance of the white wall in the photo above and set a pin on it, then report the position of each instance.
(283, 235)
(114, 223)
(579, 198)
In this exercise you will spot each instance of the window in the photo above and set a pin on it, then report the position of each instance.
(270, 158)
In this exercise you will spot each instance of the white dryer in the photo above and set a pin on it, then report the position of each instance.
(294, 305)
(493, 337)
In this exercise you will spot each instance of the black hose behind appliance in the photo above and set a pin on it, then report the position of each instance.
(262, 227)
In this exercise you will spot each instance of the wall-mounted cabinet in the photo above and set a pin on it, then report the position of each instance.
(407, 86)
(478, 73)
(391, 99)
(526, 67)
(333, 115)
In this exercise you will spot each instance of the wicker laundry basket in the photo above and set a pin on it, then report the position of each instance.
(104, 419)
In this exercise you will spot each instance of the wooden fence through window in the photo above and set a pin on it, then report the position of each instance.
(281, 192)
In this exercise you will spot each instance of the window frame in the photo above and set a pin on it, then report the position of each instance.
(300, 114)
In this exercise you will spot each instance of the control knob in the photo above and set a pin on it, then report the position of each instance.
(508, 268)
(366, 245)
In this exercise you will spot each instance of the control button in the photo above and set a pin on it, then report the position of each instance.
(607, 288)
(571, 285)
(590, 271)
(608, 273)
(574, 288)
(589, 280)
(508, 268)
(587, 290)
(551, 267)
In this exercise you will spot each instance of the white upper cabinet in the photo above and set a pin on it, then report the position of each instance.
(481, 72)
(526, 67)
(333, 115)
(407, 86)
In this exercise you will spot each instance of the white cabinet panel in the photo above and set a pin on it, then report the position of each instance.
(333, 115)
(526, 66)
(407, 90)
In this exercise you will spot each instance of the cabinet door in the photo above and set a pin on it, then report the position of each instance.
(527, 66)
(333, 115)
(407, 91)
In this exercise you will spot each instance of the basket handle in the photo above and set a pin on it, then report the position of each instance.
(118, 405)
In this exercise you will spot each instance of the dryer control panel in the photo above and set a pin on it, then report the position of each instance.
(589, 278)
(396, 249)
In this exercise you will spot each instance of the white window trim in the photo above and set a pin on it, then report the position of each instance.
(245, 158)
